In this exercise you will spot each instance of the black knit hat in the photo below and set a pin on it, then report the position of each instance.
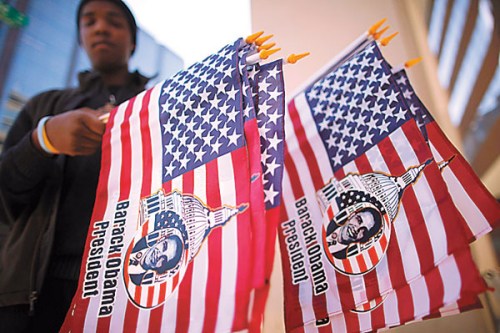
(128, 15)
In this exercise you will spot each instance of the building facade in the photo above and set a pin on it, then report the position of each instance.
(44, 54)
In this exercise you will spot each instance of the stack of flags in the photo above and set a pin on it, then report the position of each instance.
(379, 208)
(191, 171)
(373, 207)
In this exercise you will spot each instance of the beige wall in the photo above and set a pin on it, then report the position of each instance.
(326, 27)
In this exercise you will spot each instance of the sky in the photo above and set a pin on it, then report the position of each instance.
(193, 29)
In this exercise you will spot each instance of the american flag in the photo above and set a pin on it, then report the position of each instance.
(480, 210)
(351, 131)
(170, 238)
(269, 98)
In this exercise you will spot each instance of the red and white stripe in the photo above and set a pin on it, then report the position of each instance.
(479, 208)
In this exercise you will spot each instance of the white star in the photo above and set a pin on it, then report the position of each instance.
(264, 86)
(182, 138)
(324, 124)
(407, 94)
(182, 118)
(337, 159)
(184, 161)
(271, 167)
(363, 63)
(384, 79)
(176, 155)
(191, 146)
(349, 117)
(215, 147)
(204, 94)
(169, 147)
(274, 95)
(232, 93)
(377, 108)
(331, 142)
(343, 100)
(169, 169)
(367, 139)
(414, 109)
(264, 107)
(376, 63)
(364, 105)
(165, 107)
(352, 149)
(273, 118)
(357, 134)
(270, 194)
(198, 133)
(231, 116)
(400, 115)
(384, 127)
(221, 86)
(273, 72)
(274, 142)
(223, 130)
(264, 156)
(233, 138)
(167, 127)
(342, 145)
(216, 123)
(393, 97)
(380, 94)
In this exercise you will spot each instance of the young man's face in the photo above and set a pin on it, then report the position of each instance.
(105, 35)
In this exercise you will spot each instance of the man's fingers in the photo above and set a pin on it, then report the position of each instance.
(93, 124)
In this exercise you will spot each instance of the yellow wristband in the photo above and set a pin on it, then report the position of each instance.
(45, 138)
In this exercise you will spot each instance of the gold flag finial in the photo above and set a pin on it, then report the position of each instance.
(262, 40)
(266, 46)
(253, 37)
(373, 29)
(379, 34)
(387, 39)
(264, 54)
(293, 58)
(412, 62)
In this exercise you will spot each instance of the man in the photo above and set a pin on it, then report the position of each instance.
(160, 257)
(49, 170)
(359, 228)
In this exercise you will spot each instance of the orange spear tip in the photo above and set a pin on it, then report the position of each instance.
(373, 29)
(379, 34)
(293, 58)
(262, 40)
(387, 39)
(264, 54)
(413, 62)
(253, 37)
(266, 46)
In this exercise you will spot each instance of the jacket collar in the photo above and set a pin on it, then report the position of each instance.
(92, 79)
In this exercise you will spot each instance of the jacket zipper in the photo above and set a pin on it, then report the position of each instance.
(33, 296)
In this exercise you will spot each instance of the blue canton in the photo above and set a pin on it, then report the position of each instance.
(356, 106)
(200, 112)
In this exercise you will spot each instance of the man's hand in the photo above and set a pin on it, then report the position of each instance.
(77, 132)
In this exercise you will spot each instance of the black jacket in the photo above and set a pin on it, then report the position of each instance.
(46, 202)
